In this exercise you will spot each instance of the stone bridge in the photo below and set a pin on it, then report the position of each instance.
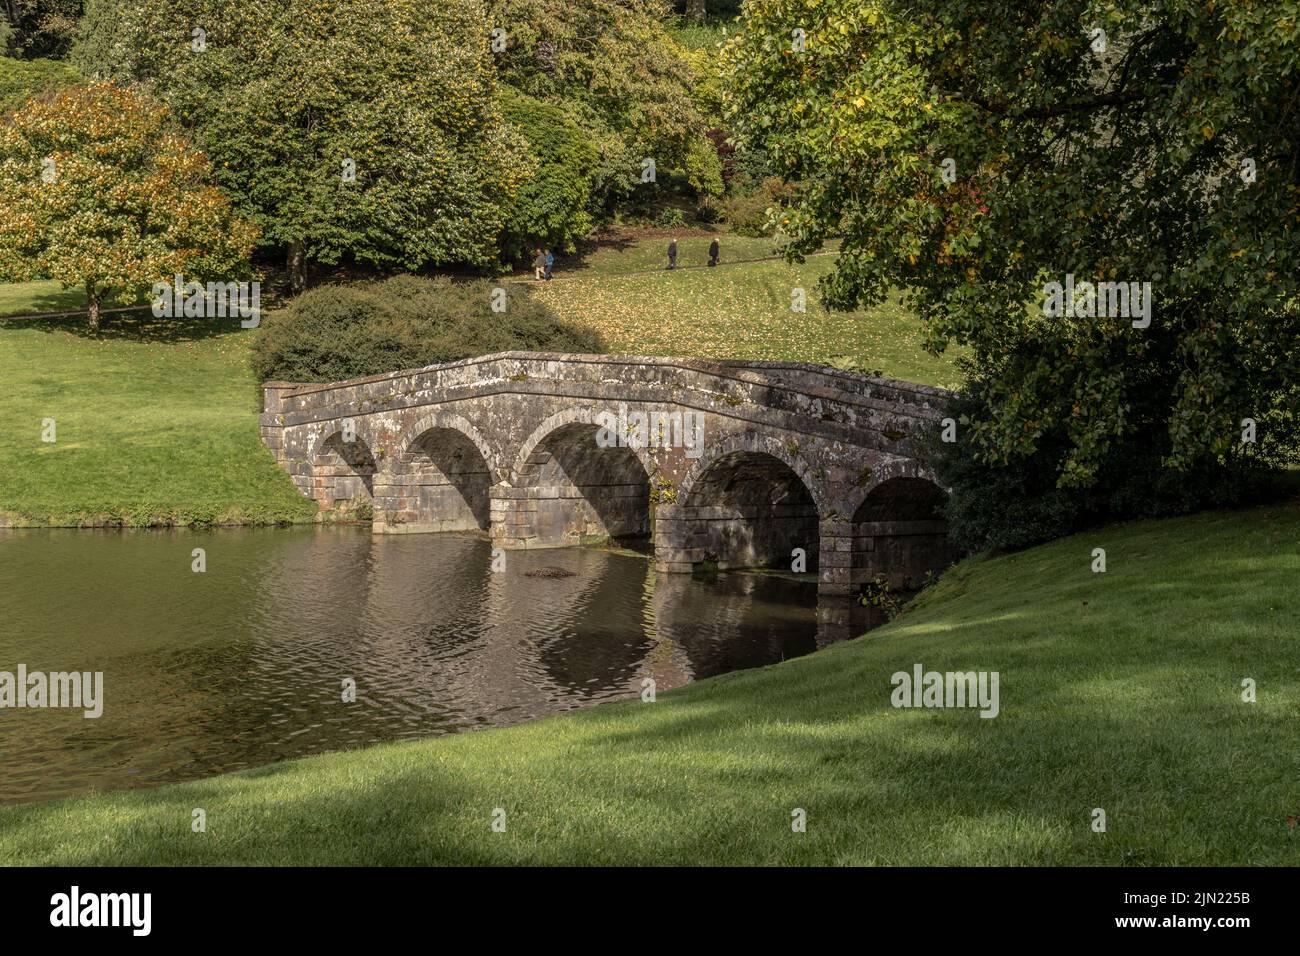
(716, 463)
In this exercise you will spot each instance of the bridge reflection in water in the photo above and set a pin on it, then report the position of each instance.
(243, 665)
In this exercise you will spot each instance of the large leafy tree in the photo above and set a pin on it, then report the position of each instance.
(611, 65)
(1120, 140)
(100, 190)
(341, 127)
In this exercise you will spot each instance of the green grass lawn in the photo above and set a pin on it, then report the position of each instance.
(738, 310)
(33, 297)
(155, 422)
(1119, 691)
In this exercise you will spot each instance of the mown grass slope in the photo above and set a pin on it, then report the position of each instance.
(154, 422)
(1120, 691)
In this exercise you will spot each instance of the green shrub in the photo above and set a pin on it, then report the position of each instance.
(747, 213)
(671, 218)
(551, 207)
(346, 331)
(1007, 507)
(20, 80)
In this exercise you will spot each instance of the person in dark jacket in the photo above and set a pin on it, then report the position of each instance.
(713, 252)
(539, 264)
(672, 253)
(548, 258)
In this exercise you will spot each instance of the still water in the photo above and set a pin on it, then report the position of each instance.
(244, 664)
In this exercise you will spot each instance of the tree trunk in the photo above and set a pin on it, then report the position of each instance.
(695, 10)
(92, 308)
(297, 266)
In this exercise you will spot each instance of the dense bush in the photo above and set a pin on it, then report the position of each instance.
(551, 207)
(345, 331)
(1014, 506)
(20, 80)
(747, 212)
(38, 28)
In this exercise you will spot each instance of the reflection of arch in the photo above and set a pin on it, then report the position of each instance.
(749, 508)
(574, 489)
(342, 471)
(602, 644)
(900, 531)
(440, 477)
(732, 622)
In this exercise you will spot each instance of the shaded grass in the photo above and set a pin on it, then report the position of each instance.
(46, 296)
(1119, 690)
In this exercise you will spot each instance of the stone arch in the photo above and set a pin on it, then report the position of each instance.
(565, 488)
(342, 473)
(749, 503)
(439, 478)
(753, 442)
(898, 530)
(578, 415)
(448, 420)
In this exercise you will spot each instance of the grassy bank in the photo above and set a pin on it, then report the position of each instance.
(742, 309)
(1119, 691)
(156, 421)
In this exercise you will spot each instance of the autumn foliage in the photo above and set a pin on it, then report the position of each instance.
(100, 190)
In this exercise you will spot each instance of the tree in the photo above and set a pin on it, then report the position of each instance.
(972, 152)
(695, 10)
(551, 207)
(101, 191)
(614, 69)
(363, 128)
(39, 28)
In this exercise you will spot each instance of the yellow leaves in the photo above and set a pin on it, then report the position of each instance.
(859, 102)
(1207, 131)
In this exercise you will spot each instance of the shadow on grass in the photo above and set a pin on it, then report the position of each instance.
(138, 325)
(1132, 705)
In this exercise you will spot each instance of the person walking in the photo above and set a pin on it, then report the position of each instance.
(672, 253)
(713, 252)
(539, 264)
(549, 259)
